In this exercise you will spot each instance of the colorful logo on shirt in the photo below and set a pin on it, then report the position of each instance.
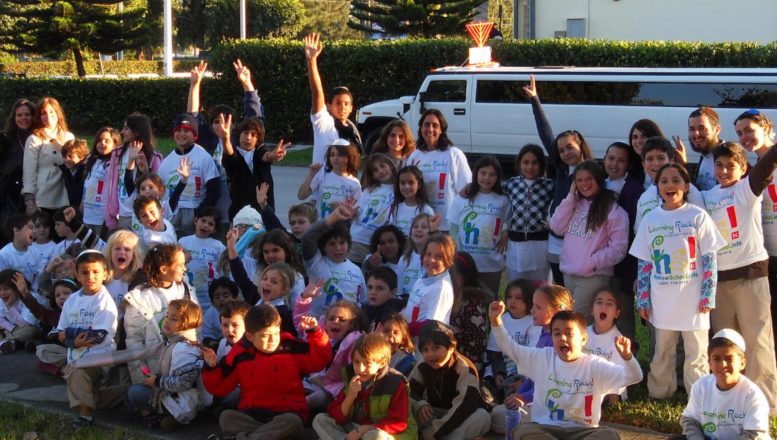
(332, 291)
(556, 413)
(471, 233)
(659, 257)
(371, 212)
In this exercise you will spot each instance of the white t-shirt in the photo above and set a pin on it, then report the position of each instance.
(118, 288)
(445, 174)
(374, 208)
(615, 185)
(650, 199)
(568, 393)
(736, 212)
(769, 217)
(675, 241)
(96, 312)
(522, 331)
(329, 188)
(408, 273)
(201, 170)
(150, 237)
(211, 324)
(480, 225)
(202, 269)
(706, 177)
(167, 214)
(42, 254)
(94, 193)
(430, 298)
(324, 134)
(725, 415)
(23, 261)
(402, 216)
(342, 281)
(603, 345)
(125, 200)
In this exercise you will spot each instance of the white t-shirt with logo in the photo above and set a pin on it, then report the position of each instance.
(445, 174)
(568, 393)
(94, 193)
(96, 312)
(769, 216)
(402, 216)
(23, 261)
(430, 298)
(201, 170)
(329, 188)
(522, 331)
(650, 200)
(202, 269)
(409, 272)
(480, 225)
(736, 212)
(342, 281)
(675, 241)
(725, 415)
(150, 237)
(374, 208)
(705, 179)
(603, 345)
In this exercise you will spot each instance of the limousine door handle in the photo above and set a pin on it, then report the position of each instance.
(459, 111)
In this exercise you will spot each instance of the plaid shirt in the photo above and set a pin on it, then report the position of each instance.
(529, 203)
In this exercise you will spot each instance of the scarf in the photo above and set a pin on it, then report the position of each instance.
(166, 359)
(349, 132)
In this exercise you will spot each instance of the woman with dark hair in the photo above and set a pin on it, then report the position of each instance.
(445, 168)
(640, 132)
(18, 127)
(136, 156)
(43, 187)
(396, 141)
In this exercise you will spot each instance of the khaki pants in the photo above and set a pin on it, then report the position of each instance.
(246, 427)
(83, 388)
(328, 429)
(662, 379)
(744, 305)
(21, 334)
(583, 289)
(535, 431)
(474, 426)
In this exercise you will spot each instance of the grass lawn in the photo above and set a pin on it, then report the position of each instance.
(294, 157)
(29, 423)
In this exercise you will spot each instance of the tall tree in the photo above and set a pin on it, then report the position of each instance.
(421, 18)
(53, 27)
(329, 19)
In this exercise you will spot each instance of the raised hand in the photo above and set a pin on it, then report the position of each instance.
(232, 236)
(680, 148)
(376, 258)
(313, 289)
(261, 194)
(183, 169)
(21, 284)
(280, 150)
(434, 222)
(530, 90)
(209, 356)
(495, 311)
(243, 74)
(315, 167)
(313, 45)
(573, 191)
(69, 213)
(198, 72)
(308, 323)
(223, 126)
(623, 345)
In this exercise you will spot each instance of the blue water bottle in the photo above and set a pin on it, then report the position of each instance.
(512, 419)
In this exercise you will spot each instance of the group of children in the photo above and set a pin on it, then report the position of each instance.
(378, 316)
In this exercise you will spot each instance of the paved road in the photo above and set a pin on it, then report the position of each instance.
(287, 181)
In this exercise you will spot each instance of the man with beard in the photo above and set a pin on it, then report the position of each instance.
(703, 133)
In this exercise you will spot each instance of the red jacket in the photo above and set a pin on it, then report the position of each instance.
(270, 383)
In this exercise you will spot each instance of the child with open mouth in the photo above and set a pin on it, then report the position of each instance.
(602, 334)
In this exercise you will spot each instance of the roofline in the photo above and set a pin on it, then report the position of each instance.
(606, 71)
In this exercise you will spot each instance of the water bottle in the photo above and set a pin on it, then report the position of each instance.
(512, 419)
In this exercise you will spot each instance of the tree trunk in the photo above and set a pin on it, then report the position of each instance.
(79, 62)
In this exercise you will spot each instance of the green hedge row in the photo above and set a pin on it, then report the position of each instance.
(372, 70)
(68, 68)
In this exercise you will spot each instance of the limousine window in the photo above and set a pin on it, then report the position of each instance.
(446, 91)
(761, 96)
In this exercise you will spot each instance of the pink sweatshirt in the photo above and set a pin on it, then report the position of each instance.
(587, 253)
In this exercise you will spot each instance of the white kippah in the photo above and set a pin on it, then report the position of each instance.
(731, 335)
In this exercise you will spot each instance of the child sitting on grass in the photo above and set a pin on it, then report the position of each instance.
(87, 326)
(172, 397)
(268, 366)
(17, 323)
(569, 384)
(374, 403)
(445, 388)
(726, 405)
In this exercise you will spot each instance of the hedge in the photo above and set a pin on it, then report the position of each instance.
(68, 68)
(373, 71)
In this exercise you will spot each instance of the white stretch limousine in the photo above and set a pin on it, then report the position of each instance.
(488, 113)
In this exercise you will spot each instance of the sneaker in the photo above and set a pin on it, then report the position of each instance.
(31, 346)
(169, 424)
(7, 346)
(82, 422)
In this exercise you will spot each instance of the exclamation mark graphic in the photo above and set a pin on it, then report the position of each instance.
(416, 311)
(211, 271)
(772, 190)
(589, 398)
(497, 227)
(197, 185)
(441, 186)
(692, 248)
(732, 216)
(100, 184)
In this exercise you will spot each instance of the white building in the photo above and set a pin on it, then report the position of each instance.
(635, 20)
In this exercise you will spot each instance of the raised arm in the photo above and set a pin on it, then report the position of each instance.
(305, 189)
(197, 73)
(312, 51)
(761, 173)
(544, 130)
